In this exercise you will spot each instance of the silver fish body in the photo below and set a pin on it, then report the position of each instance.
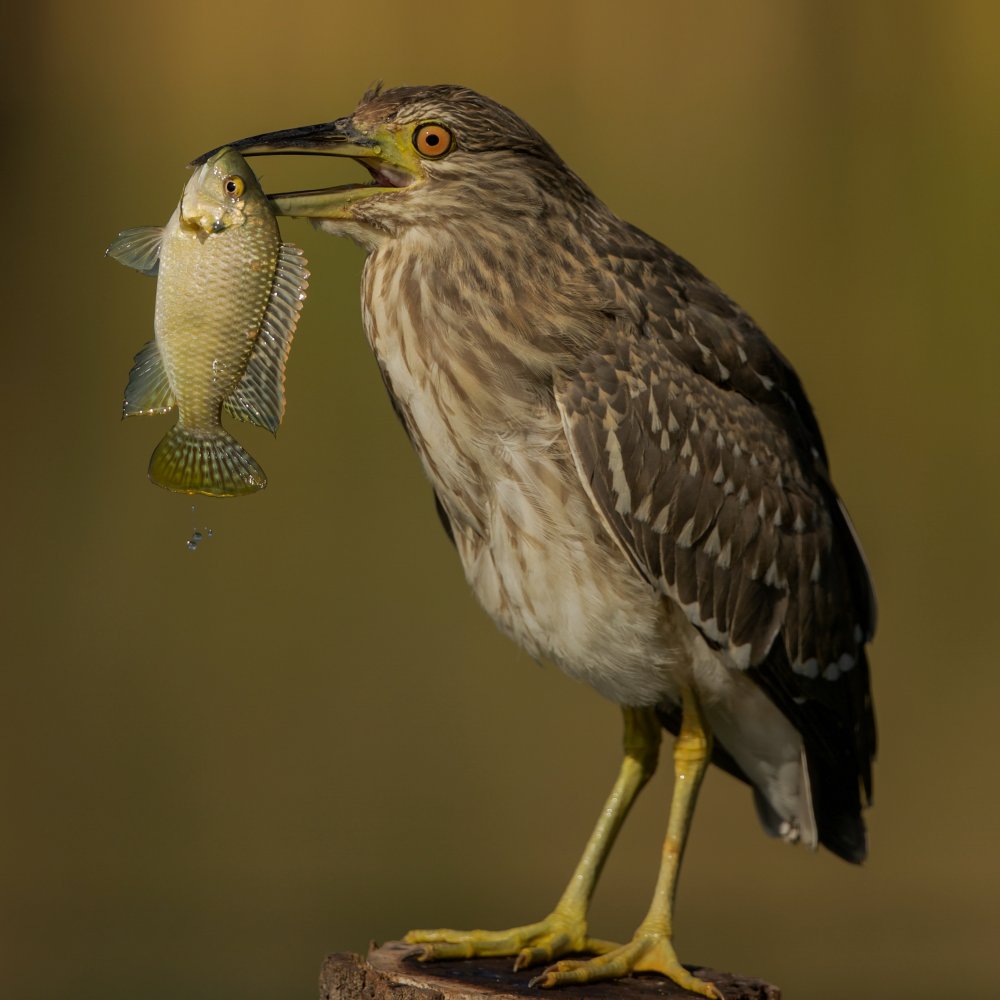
(228, 297)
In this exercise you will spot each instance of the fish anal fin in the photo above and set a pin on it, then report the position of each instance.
(212, 463)
(138, 248)
(148, 390)
(259, 397)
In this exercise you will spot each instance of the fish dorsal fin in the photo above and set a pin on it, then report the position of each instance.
(138, 248)
(259, 397)
(148, 390)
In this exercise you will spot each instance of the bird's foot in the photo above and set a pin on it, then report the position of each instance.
(646, 952)
(533, 944)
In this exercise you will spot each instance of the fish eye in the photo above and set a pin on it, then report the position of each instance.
(432, 140)
(233, 186)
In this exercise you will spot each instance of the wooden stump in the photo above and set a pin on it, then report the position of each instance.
(391, 973)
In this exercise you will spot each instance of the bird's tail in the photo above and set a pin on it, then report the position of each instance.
(209, 462)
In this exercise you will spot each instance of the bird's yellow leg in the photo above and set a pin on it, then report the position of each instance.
(651, 948)
(564, 930)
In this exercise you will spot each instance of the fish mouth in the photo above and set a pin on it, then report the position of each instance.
(388, 170)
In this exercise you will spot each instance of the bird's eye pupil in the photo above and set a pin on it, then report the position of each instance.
(432, 139)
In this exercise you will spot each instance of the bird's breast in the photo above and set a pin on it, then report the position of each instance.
(532, 546)
(455, 376)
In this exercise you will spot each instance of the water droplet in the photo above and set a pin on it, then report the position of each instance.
(195, 540)
(209, 532)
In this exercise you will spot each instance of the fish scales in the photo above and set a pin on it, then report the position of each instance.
(228, 298)
(206, 322)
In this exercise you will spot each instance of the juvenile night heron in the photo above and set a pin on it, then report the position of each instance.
(632, 476)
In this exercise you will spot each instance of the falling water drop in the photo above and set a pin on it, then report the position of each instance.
(198, 534)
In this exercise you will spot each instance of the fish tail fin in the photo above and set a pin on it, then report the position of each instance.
(212, 463)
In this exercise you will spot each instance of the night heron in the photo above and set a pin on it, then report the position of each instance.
(632, 476)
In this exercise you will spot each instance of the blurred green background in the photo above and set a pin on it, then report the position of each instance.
(218, 766)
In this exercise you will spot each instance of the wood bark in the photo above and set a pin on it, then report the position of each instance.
(391, 973)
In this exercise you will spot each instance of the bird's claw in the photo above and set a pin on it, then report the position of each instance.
(532, 944)
(539, 953)
(644, 953)
(552, 946)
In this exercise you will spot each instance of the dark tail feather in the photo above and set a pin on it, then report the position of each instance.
(835, 791)
(837, 805)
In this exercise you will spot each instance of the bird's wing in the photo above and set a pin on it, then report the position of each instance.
(698, 448)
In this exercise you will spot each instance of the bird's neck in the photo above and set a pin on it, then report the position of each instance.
(512, 294)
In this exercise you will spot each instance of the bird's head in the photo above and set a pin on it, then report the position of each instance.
(442, 153)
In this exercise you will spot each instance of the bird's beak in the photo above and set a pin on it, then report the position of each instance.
(337, 138)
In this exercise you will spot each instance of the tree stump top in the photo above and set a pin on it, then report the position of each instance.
(392, 973)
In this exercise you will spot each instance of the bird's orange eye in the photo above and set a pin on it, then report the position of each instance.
(234, 186)
(432, 140)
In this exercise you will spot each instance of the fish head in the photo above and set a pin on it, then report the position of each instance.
(222, 193)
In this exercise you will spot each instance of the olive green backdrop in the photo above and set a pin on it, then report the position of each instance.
(217, 766)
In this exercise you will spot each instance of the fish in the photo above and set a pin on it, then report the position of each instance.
(228, 297)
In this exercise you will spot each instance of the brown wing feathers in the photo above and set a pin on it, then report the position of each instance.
(699, 448)
(709, 503)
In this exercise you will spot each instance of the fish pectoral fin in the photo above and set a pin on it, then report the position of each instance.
(259, 397)
(209, 462)
(148, 390)
(138, 248)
